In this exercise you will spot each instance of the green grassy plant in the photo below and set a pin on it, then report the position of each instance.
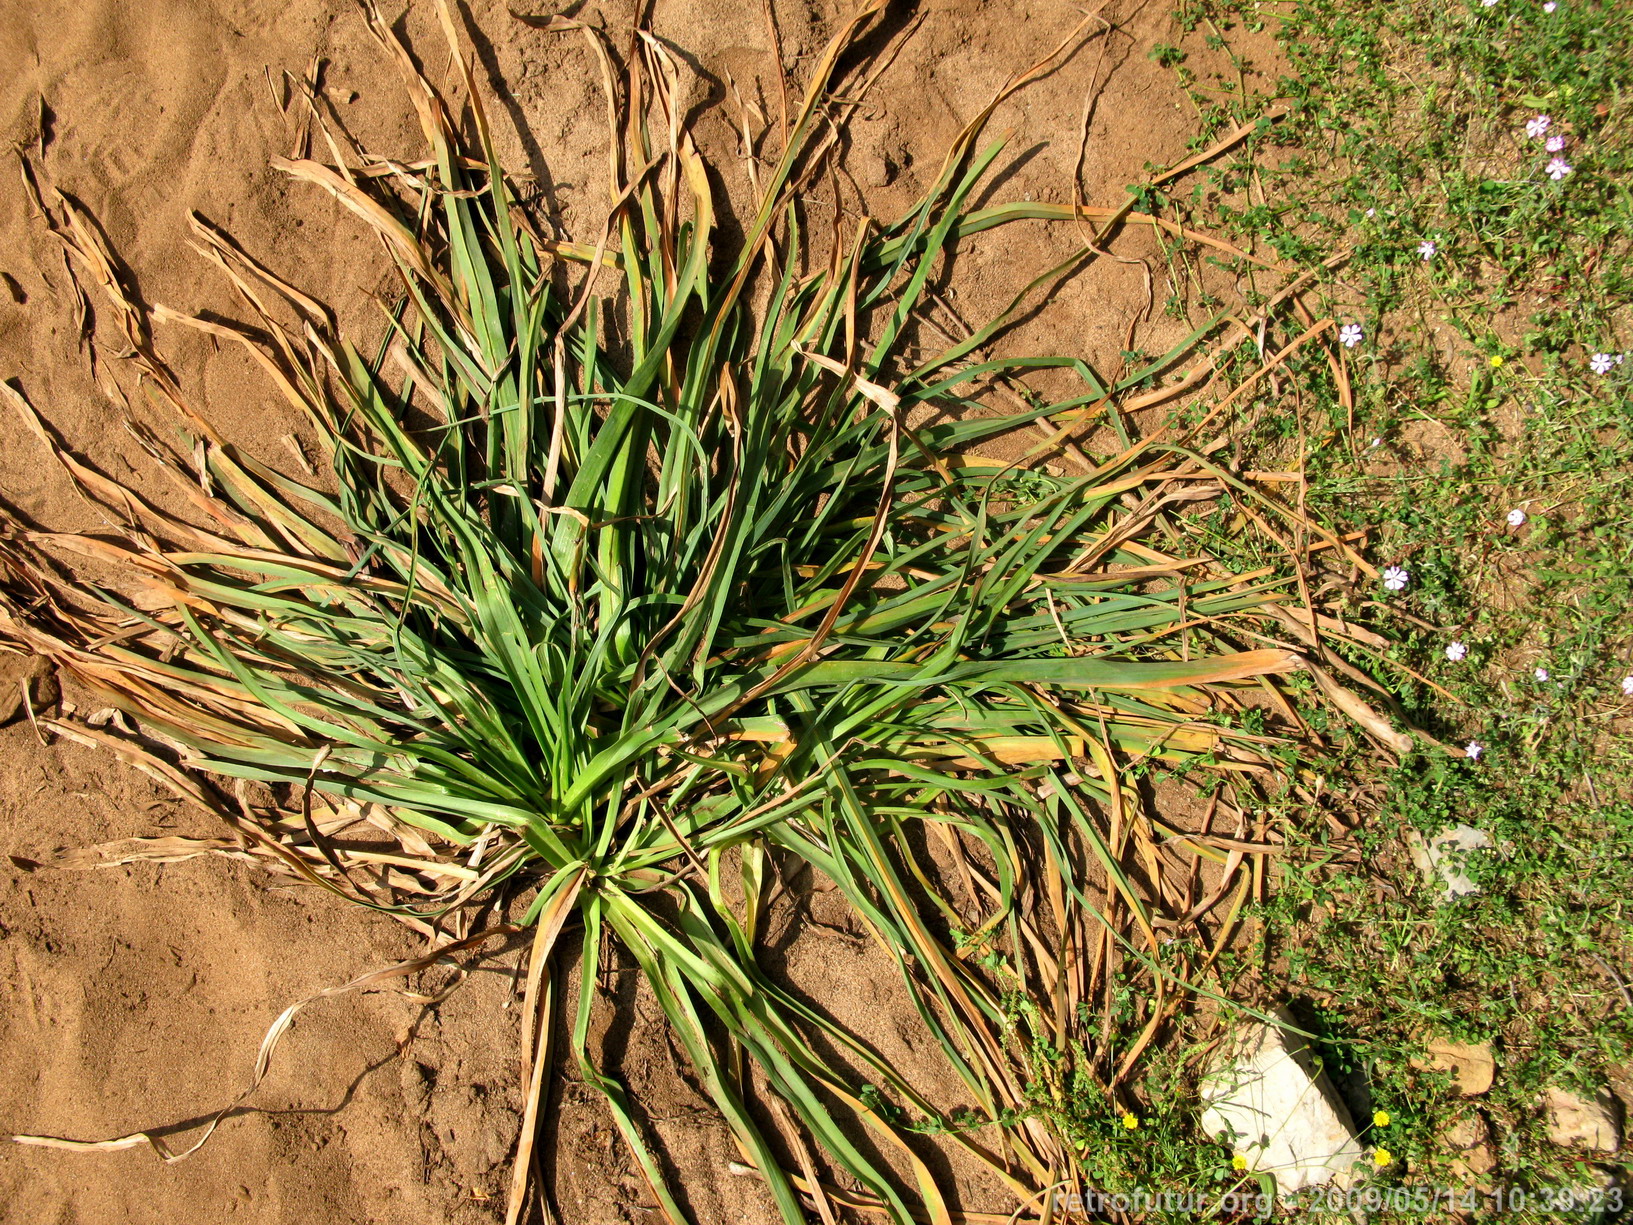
(642, 574)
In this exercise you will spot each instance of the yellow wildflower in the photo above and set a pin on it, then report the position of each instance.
(1131, 1122)
(1381, 1119)
(1238, 1162)
(1382, 1157)
(1497, 362)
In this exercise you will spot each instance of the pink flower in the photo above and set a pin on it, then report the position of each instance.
(1554, 143)
(1536, 127)
(1349, 335)
(1427, 249)
(1456, 651)
(1558, 169)
(1473, 749)
(1601, 363)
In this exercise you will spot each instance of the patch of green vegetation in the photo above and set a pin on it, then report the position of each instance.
(1488, 378)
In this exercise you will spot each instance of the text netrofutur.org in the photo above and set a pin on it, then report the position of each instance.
(1367, 1197)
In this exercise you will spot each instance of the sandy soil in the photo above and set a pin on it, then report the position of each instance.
(134, 997)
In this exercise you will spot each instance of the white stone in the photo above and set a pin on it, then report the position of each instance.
(1286, 1118)
(1446, 855)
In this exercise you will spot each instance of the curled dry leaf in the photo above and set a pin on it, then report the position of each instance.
(124, 851)
(1375, 725)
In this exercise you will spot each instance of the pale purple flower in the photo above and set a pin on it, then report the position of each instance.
(1554, 143)
(1558, 169)
(1455, 651)
(1427, 249)
(1541, 674)
(1350, 335)
(1627, 686)
(1485, 4)
(1516, 517)
(1473, 750)
(1536, 127)
(1375, 443)
(1549, 7)
(1601, 363)
(1395, 579)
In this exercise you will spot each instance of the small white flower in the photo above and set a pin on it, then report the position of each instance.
(1455, 651)
(1375, 443)
(1427, 249)
(1350, 335)
(1627, 686)
(1601, 363)
(1534, 128)
(1372, 212)
(1541, 674)
(1558, 169)
(1473, 749)
(1395, 579)
(1549, 7)
(1554, 143)
(1516, 517)
(1485, 4)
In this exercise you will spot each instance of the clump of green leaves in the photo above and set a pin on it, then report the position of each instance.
(1472, 394)
(624, 627)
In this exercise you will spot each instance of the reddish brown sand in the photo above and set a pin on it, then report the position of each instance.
(135, 997)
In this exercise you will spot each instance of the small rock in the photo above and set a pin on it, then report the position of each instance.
(1473, 1165)
(1282, 1111)
(417, 1079)
(1473, 1067)
(880, 171)
(1589, 1123)
(1604, 1186)
(1465, 1132)
(1445, 856)
(1467, 1139)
